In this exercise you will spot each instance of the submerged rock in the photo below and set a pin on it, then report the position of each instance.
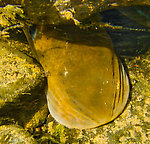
(14, 134)
(22, 85)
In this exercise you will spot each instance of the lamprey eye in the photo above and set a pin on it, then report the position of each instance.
(87, 85)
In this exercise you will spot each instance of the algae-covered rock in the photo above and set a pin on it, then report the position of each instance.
(22, 85)
(38, 118)
(14, 134)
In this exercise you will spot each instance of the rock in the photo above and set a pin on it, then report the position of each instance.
(22, 85)
(38, 118)
(15, 134)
